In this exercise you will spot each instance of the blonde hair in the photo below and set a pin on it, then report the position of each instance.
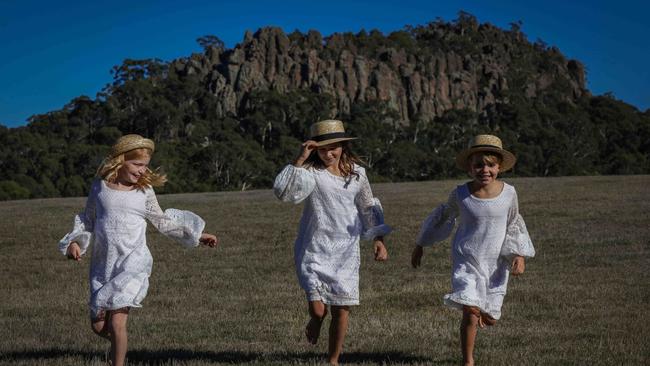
(109, 168)
(346, 162)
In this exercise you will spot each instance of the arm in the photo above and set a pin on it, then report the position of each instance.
(517, 244)
(440, 223)
(372, 218)
(184, 227)
(436, 227)
(75, 243)
(295, 183)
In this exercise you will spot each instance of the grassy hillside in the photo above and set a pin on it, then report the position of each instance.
(582, 300)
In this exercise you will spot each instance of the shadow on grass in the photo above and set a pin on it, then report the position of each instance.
(158, 357)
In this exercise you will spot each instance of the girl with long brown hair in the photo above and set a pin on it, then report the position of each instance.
(339, 210)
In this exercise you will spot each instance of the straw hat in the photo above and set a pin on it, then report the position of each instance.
(328, 132)
(130, 142)
(486, 143)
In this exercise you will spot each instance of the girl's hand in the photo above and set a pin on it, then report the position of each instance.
(381, 254)
(518, 265)
(209, 240)
(74, 251)
(306, 149)
(416, 256)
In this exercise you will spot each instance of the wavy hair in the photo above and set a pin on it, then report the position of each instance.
(109, 168)
(346, 162)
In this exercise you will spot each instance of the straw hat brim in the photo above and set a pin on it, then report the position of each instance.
(507, 162)
(334, 140)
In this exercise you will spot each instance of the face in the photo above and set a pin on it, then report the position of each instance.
(482, 171)
(330, 154)
(132, 170)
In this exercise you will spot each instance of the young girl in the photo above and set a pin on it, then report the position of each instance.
(491, 240)
(339, 209)
(119, 202)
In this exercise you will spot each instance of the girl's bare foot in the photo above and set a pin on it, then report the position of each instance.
(312, 331)
(487, 320)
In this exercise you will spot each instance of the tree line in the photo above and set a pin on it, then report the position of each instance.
(57, 153)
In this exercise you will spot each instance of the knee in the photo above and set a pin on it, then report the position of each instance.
(118, 327)
(471, 315)
(98, 327)
(340, 311)
(118, 321)
(318, 311)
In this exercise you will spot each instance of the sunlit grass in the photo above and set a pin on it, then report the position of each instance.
(582, 300)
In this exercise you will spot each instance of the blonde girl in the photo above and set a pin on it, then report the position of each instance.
(120, 200)
(491, 240)
(339, 210)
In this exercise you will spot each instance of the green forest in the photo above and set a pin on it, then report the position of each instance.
(56, 154)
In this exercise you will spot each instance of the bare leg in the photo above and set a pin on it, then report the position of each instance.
(100, 325)
(468, 329)
(118, 335)
(317, 313)
(338, 330)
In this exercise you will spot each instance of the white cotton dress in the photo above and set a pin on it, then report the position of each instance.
(121, 262)
(490, 232)
(338, 212)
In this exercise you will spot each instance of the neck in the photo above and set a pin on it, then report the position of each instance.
(121, 185)
(490, 190)
(334, 169)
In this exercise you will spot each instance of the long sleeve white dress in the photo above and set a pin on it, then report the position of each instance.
(490, 232)
(338, 212)
(121, 262)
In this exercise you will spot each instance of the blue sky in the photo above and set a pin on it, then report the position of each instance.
(54, 51)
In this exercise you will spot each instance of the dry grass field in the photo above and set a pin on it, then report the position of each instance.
(582, 301)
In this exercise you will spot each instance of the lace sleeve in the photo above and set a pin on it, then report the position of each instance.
(440, 222)
(293, 184)
(517, 241)
(370, 210)
(184, 227)
(84, 223)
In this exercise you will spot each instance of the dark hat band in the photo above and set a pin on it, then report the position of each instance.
(328, 136)
(490, 146)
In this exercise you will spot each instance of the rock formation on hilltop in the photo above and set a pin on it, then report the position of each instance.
(420, 80)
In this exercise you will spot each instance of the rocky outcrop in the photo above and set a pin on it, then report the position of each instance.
(416, 86)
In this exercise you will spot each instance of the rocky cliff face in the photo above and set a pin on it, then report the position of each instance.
(415, 85)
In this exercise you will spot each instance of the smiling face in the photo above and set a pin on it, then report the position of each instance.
(330, 154)
(134, 166)
(484, 168)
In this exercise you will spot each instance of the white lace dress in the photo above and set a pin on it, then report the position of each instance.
(490, 232)
(121, 262)
(338, 212)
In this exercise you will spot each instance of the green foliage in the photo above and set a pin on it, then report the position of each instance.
(10, 190)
